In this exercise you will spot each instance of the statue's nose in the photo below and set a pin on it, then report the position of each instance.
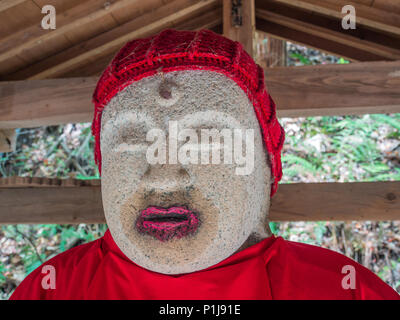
(167, 176)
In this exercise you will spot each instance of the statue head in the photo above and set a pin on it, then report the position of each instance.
(188, 148)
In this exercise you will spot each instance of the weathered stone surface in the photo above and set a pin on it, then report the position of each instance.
(232, 208)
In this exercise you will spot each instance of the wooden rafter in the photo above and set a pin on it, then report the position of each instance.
(312, 41)
(74, 201)
(7, 4)
(166, 16)
(357, 88)
(208, 20)
(382, 46)
(73, 18)
(368, 16)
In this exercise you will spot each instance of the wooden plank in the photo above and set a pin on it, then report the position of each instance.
(209, 20)
(243, 33)
(372, 17)
(293, 202)
(41, 102)
(165, 16)
(7, 4)
(51, 204)
(17, 17)
(319, 43)
(40, 182)
(357, 88)
(76, 17)
(337, 201)
(385, 47)
(366, 2)
(387, 5)
(12, 65)
(133, 11)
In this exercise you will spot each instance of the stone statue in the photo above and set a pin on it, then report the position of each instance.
(223, 212)
(188, 146)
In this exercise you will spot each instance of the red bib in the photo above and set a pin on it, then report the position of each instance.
(271, 269)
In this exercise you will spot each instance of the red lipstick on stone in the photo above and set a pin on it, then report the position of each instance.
(167, 223)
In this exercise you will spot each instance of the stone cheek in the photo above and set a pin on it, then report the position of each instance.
(230, 207)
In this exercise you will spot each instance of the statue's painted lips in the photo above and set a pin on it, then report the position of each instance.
(167, 223)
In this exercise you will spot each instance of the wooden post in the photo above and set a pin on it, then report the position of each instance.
(239, 22)
(7, 140)
(270, 51)
(276, 52)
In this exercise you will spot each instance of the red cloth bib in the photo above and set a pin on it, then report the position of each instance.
(271, 269)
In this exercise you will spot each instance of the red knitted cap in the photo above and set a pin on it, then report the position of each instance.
(173, 50)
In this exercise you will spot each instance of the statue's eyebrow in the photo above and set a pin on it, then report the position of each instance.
(125, 117)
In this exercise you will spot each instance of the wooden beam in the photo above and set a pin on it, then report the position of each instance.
(386, 5)
(239, 22)
(54, 203)
(368, 16)
(356, 88)
(209, 20)
(326, 90)
(39, 182)
(80, 202)
(319, 43)
(166, 16)
(7, 4)
(383, 46)
(33, 103)
(337, 201)
(76, 17)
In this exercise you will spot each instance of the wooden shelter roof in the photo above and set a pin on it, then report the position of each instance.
(88, 33)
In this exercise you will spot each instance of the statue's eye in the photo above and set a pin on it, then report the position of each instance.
(133, 134)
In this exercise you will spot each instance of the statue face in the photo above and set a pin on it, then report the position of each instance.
(166, 208)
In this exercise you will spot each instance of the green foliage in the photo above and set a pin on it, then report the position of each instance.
(319, 231)
(384, 118)
(349, 149)
(274, 226)
(343, 61)
(303, 59)
(2, 272)
(301, 163)
(32, 254)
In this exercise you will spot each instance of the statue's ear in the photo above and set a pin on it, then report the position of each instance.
(263, 221)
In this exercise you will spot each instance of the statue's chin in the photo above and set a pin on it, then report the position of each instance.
(178, 261)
